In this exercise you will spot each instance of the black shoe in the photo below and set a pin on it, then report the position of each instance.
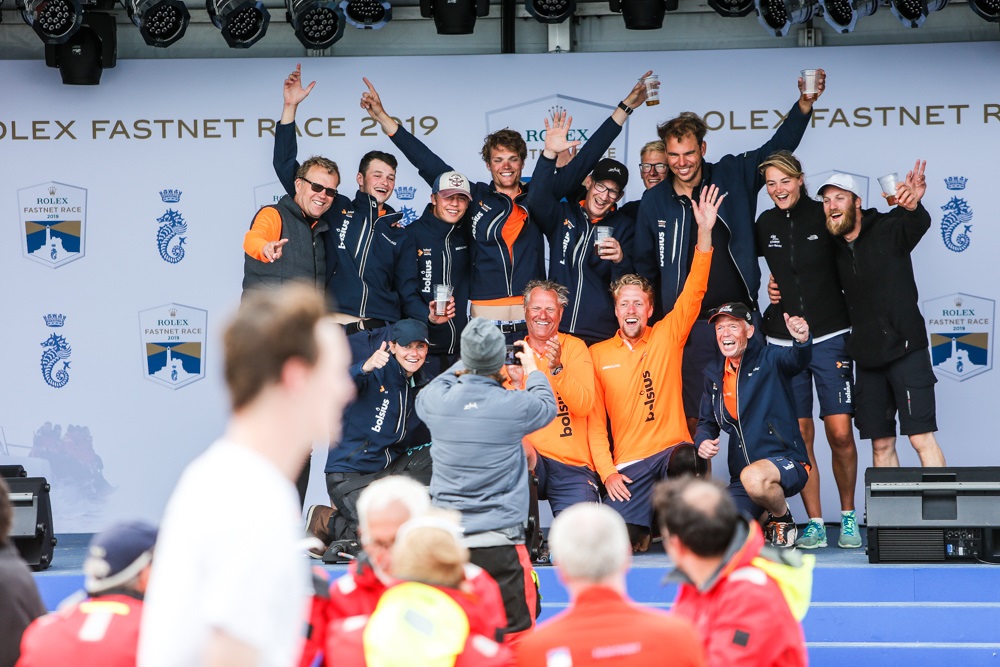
(342, 551)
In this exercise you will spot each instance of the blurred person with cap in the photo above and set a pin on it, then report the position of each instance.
(888, 335)
(103, 629)
(382, 434)
(231, 585)
(480, 466)
(508, 241)
(749, 395)
(431, 613)
(799, 251)
(444, 257)
(592, 553)
(20, 602)
(576, 260)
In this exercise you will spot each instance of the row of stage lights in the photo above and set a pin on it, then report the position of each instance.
(318, 24)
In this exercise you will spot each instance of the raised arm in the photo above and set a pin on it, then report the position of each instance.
(286, 144)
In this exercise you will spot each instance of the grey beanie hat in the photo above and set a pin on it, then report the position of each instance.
(483, 347)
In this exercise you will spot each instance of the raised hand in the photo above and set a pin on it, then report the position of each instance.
(556, 133)
(378, 360)
(293, 91)
(372, 103)
(798, 327)
(909, 193)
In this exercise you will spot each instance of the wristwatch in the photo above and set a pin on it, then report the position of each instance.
(626, 108)
(557, 370)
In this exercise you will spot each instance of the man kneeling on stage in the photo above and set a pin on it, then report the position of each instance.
(749, 395)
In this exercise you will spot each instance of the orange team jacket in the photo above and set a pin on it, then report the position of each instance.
(640, 387)
(565, 439)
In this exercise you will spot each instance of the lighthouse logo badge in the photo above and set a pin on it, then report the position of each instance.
(53, 223)
(173, 344)
(961, 335)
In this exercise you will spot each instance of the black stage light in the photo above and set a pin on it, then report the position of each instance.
(317, 23)
(732, 8)
(454, 17)
(160, 22)
(54, 21)
(778, 16)
(550, 11)
(367, 14)
(88, 52)
(843, 15)
(913, 13)
(242, 22)
(642, 14)
(986, 9)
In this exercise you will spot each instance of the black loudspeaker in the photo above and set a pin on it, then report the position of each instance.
(31, 530)
(12, 471)
(933, 515)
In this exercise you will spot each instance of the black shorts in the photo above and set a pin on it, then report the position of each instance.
(830, 369)
(904, 387)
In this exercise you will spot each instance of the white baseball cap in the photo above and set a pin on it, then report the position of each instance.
(844, 182)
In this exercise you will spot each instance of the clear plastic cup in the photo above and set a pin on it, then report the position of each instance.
(442, 293)
(809, 86)
(652, 83)
(888, 184)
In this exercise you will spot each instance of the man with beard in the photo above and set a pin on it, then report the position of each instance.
(793, 239)
(638, 374)
(888, 337)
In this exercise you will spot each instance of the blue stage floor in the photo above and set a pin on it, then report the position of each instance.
(885, 615)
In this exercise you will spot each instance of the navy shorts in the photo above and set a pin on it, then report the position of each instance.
(793, 479)
(564, 485)
(904, 387)
(830, 368)
(644, 474)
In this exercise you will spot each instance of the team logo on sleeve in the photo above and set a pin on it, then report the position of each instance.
(961, 331)
(53, 223)
(173, 344)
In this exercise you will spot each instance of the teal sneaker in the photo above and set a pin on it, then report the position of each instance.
(813, 537)
(850, 536)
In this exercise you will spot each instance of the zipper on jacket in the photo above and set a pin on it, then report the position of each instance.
(580, 260)
(505, 254)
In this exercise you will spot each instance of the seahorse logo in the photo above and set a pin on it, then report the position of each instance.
(56, 350)
(957, 214)
(172, 225)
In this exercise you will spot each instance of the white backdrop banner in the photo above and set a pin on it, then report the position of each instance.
(123, 208)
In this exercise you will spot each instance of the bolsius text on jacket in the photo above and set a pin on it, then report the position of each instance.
(573, 259)
(666, 228)
(767, 425)
(443, 256)
(368, 269)
(477, 427)
(800, 254)
(381, 422)
(877, 275)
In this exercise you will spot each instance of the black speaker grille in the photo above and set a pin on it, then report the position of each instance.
(911, 546)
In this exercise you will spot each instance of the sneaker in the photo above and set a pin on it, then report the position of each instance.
(318, 526)
(813, 537)
(342, 551)
(850, 536)
(781, 530)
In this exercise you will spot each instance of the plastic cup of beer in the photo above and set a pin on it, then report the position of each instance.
(809, 86)
(889, 183)
(441, 295)
(652, 83)
(601, 234)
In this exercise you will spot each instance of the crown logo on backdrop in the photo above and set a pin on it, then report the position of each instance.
(406, 192)
(956, 182)
(555, 110)
(173, 313)
(170, 196)
(958, 302)
(52, 190)
(54, 320)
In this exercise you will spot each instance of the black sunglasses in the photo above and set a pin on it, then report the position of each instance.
(316, 187)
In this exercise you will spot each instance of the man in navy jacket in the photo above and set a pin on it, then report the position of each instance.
(665, 230)
(749, 395)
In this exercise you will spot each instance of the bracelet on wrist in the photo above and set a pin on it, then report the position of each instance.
(626, 108)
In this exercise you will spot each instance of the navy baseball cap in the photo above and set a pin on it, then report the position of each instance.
(405, 332)
(118, 555)
(734, 309)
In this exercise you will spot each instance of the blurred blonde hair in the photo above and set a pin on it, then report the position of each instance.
(428, 549)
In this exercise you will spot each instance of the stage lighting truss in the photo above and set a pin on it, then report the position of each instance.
(732, 8)
(160, 22)
(778, 16)
(988, 10)
(318, 24)
(242, 22)
(454, 17)
(550, 11)
(54, 21)
(366, 14)
(913, 13)
(843, 15)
